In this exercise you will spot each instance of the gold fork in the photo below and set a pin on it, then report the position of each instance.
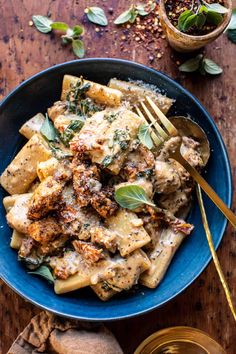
(159, 136)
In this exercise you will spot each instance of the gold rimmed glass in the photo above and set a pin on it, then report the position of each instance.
(179, 340)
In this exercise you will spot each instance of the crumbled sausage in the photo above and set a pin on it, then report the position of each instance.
(88, 251)
(44, 230)
(46, 198)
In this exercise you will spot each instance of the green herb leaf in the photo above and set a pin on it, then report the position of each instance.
(42, 23)
(200, 20)
(74, 127)
(190, 21)
(211, 67)
(77, 31)
(107, 160)
(145, 136)
(124, 17)
(183, 17)
(48, 130)
(214, 18)
(78, 48)
(192, 64)
(58, 153)
(60, 26)
(232, 24)
(131, 197)
(141, 10)
(232, 35)
(134, 14)
(96, 15)
(216, 8)
(44, 272)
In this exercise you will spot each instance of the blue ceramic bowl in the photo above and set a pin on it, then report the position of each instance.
(35, 95)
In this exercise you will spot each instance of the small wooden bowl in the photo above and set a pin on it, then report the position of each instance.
(183, 42)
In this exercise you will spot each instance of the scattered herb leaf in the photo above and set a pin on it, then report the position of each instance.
(124, 17)
(60, 26)
(42, 23)
(232, 35)
(131, 197)
(203, 65)
(77, 31)
(131, 14)
(78, 47)
(145, 136)
(71, 36)
(141, 10)
(96, 15)
(48, 130)
(211, 67)
(44, 272)
(191, 65)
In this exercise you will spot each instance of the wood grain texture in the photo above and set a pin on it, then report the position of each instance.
(24, 52)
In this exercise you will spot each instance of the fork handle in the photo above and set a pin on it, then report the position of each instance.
(206, 187)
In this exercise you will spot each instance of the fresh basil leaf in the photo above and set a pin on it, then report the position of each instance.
(60, 26)
(145, 136)
(203, 8)
(74, 127)
(152, 7)
(214, 18)
(141, 10)
(232, 35)
(232, 24)
(131, 197)
(216, 8)
(78, 48)
(77, 31)
(58, 153)
(200, 20)
(44, 272)
(189, 22)
(124, 17)
(48, 130)
(183, 17)
(96, 15)
(211, 67)
(134, 14)
(191, 65)
(202, 69)
(42, 23)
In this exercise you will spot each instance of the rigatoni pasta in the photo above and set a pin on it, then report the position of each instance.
(66, 219)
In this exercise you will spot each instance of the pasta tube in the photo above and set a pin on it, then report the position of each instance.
(133, 93)
(100, 93)
(32, 126)
(47, 168)
(22, 171)
(161, 257)
(17, 216)
(16, 240)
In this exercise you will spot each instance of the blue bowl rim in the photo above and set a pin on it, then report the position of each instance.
(213, 126)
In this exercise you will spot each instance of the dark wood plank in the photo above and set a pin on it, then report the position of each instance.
(24, 52)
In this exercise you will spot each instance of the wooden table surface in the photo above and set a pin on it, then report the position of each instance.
(24, 52)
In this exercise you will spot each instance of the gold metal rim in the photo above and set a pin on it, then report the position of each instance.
(180, 333)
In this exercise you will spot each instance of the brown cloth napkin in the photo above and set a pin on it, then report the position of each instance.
(47, 333)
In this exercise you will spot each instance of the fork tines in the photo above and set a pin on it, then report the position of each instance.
(159, 134)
